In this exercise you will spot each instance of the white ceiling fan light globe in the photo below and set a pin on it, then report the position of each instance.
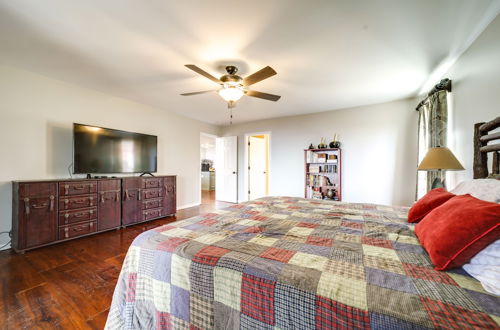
(231, 94)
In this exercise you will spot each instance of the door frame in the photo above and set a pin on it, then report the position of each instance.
(246, 159)
(199, 160)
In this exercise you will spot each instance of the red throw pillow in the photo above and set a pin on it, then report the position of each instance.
(429, 202)
(457, 230)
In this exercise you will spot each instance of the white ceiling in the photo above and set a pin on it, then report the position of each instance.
(328, 54)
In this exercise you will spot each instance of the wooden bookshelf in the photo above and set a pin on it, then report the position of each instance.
(323, 172)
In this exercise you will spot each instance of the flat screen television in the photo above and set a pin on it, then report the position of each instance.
(105, 150)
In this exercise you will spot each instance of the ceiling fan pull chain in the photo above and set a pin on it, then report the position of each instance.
(230, 113)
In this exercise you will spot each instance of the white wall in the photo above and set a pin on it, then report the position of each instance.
(378, 150)
(475, 92)
(36, 116)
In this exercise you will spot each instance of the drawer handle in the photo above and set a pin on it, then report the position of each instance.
(126, 195)
(117, 198)
(66, 189)
(51, 202)
(79, 215)
(77, 229)
(39, 206)
(91, 225)
(139, 194)
(66, 232)
(79, 201)
(104, 198)
(91, 212)
(27, 206)
(91, 200)
(79, 187)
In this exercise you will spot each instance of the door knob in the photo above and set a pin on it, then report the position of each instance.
(234, 172)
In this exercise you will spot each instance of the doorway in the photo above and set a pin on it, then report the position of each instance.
(257, 167)
(207, 169)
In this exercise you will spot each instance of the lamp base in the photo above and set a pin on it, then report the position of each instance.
(438, 183)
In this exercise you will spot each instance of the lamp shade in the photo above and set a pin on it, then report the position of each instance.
(440, 158)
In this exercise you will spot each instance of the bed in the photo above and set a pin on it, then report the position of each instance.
(293, 263)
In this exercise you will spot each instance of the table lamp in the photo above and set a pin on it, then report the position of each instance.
(439, 158)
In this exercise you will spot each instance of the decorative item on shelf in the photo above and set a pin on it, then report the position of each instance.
(316, 194)
(311, 146)
(322, 144)
(330, 193)
(332, 159)
(335, 143)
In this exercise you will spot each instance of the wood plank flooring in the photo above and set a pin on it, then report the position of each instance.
(70, 285)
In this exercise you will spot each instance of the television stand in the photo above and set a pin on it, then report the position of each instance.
(147, 173)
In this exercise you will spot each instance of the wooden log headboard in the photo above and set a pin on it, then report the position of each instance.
(482, 136)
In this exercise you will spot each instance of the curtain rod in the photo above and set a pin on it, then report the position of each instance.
(443, 85)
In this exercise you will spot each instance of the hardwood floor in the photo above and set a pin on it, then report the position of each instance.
(70, 285)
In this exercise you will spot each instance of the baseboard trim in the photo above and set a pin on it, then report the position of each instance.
(185, 206)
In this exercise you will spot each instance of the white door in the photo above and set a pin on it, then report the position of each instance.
(257, 162)
(226, 169)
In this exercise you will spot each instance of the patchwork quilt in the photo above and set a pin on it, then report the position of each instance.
(293, 263)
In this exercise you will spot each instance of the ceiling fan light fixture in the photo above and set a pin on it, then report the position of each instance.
(231, 94)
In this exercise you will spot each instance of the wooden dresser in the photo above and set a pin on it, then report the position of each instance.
(148, 198)
(51, 211)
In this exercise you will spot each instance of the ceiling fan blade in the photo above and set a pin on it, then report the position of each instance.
(196, 93)
(203, 73)
(259, 75)
(265, 96)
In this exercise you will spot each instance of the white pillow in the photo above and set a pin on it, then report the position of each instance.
(485, 267)
(485, 189)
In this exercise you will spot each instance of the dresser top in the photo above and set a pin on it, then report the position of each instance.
(92, 179)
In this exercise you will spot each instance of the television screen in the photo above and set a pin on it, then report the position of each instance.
(104, 150)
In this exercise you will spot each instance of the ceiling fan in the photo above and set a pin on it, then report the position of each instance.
(234, 86)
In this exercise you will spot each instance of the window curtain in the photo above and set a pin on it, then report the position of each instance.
(432, 132)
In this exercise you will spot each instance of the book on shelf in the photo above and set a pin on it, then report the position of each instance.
(320, 157)
(324, 169)
(316, 157)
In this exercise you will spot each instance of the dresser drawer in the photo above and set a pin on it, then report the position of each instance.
(37, 189)
(77, 230)
(77, 188)
(71, 203)
(69, 217)
(152, 193)
(152, 183)
(152, 204)
(151, 214)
